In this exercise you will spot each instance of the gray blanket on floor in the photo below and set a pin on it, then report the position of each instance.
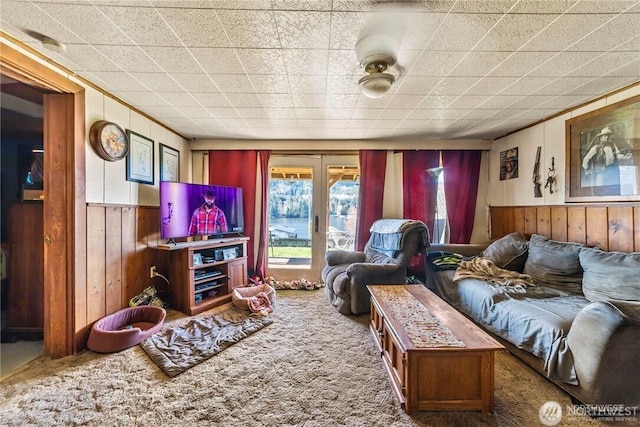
(177, 349)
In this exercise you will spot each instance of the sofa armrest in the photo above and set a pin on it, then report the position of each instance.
(468, 249)
(370, 270)
(339, 256)
(605, 343)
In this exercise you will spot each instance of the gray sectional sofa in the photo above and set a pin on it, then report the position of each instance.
(576, 319)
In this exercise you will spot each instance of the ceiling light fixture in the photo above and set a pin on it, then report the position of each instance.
(53, 45)
(377, 83)
(376, 54)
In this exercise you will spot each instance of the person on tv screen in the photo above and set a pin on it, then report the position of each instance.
(208, 218)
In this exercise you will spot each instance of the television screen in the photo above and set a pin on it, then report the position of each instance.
(199, 210)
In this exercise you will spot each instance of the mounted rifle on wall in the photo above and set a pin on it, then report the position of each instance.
(537, 191)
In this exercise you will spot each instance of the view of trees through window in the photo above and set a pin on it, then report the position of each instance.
(291, 213)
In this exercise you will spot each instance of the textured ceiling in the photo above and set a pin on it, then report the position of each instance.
(286, 69)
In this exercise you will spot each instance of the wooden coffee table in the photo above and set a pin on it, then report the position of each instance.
(425, 377)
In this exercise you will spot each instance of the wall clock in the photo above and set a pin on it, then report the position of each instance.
(109, 140)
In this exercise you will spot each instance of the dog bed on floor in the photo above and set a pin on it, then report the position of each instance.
(254, 298)
(125, 328)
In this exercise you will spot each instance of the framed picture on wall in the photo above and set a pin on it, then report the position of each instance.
(140, 158)
(169, 164)
(509, 164)
(603, 154)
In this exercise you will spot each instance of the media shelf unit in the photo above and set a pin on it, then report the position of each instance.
(204, 273)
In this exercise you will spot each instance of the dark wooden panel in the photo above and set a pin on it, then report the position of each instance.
(118, 256)
(543, 215)
(503, 220)
(576, 225)
(518, 220)
(559, 223)
(129, 224)
(25, 285)
(141, 263)
(620, 220)
(615, 227)
(597, 227)
(530, 221)
(96, 264)
(113, 257)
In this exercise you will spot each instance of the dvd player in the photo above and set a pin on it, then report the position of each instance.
(207, 275)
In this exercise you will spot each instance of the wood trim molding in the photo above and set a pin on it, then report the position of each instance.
(28, 71)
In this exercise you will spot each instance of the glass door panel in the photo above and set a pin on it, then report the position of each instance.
(294, 197)
(344, 185)
(312, 207)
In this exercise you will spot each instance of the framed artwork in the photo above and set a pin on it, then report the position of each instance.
(603, 154)
(197, 259)
(509, 164)
(140, 158)
(169, 164)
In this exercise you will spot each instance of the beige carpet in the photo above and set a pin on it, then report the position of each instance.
(311, 367)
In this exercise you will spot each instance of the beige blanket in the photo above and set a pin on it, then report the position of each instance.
(484, 269)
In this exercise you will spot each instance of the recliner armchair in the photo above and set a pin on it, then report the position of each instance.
(386, 256)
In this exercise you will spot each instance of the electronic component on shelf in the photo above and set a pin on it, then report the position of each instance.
(206, 274)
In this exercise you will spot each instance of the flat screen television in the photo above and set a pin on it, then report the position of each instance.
(199, 210)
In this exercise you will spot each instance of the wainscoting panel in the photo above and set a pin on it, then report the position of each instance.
(118, 257)
(614, 228)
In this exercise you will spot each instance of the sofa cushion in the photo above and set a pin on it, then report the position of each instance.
(610, 275)
(554, 263)
(508, 252)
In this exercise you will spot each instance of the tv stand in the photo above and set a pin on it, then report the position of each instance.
(171, 241)
(204, 273)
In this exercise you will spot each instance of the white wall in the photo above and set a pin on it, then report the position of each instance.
(106, 181)
(550, 135)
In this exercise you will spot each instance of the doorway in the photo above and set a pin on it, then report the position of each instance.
(22, 264)
(312, 207)
(64, 225)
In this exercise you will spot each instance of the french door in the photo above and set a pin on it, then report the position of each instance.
(312, 206)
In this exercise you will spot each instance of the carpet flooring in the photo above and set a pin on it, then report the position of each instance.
(311, 367)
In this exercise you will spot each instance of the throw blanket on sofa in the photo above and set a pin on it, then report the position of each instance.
(387, 235)
(484, 269)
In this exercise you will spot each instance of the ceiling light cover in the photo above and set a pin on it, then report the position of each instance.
(53, 45)
(376, 85)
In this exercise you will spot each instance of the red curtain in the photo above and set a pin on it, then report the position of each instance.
(373, 164)
(420, 191)
(238, 168)
(420, 194)
(461, 175)
(263, 239)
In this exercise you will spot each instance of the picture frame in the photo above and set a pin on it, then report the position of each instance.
(140, 160)
(509, 164)
(603, 154)
(197, 259)
(169, 164)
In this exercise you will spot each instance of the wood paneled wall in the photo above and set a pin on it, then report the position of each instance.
(612, 228)
(119, 254)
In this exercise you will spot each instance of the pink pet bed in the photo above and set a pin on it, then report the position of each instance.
(254, 298)
(125, 328)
